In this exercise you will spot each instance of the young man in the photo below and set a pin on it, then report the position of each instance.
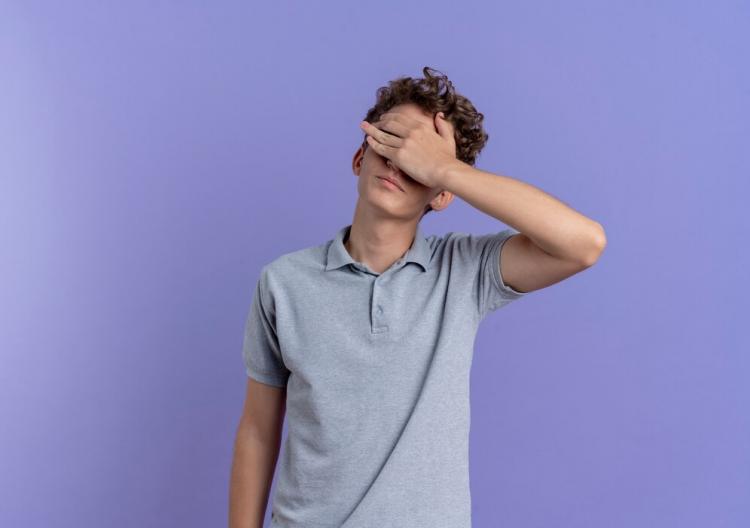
(364, 343)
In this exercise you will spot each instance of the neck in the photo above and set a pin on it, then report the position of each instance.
(379, 242)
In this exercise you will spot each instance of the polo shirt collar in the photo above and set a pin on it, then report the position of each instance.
(419, 251)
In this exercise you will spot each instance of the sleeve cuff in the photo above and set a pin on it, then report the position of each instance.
(498, 276)
(266, 377)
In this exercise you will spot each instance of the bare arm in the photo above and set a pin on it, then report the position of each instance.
(554, 240)
(256, 451)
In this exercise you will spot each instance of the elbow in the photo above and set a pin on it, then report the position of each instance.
(597, 245)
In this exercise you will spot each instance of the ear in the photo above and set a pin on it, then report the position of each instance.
(441, 200)
(357, 160)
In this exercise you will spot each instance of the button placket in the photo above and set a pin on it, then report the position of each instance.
(377, 308)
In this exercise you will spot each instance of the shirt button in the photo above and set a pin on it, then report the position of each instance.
(380, 309)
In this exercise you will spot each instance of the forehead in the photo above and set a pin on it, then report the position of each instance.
(413, 111)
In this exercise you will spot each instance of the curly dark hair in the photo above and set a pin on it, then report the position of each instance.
(433, 94)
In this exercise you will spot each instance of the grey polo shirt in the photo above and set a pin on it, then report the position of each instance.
(377, 374)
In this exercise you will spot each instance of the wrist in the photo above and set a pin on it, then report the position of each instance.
(449, 172)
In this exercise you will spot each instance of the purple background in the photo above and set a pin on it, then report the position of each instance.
(154, 155)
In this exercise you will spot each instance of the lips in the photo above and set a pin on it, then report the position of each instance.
(394, 182)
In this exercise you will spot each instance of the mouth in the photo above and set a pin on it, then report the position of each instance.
(393, 182)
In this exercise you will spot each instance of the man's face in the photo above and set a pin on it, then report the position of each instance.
(407, 202)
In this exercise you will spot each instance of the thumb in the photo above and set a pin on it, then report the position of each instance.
(442, 126)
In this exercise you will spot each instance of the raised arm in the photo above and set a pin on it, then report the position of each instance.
(554, 240)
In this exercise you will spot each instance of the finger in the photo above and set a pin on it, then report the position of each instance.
(382, 136)
(394, 124)
(380, 148)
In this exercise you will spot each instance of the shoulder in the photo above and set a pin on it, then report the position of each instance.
(297, 265)
(443, 241)
(466, 244)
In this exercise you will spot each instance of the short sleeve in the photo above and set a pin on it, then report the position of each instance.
(483, 254)
(260, 350)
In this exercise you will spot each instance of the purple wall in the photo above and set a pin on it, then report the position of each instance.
(154, 155)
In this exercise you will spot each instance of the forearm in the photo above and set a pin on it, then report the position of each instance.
(549, 223)
(253, 465)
